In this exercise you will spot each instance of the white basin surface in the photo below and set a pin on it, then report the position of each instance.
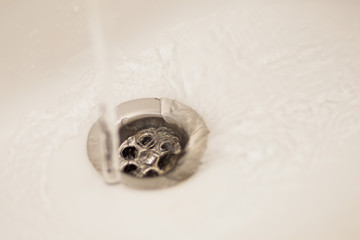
(277, 83)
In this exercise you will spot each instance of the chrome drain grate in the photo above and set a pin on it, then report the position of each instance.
(149, 153)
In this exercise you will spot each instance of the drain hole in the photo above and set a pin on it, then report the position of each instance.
(164, 161)
(129, 153)
(129, 168)
(151, 173)
(165, 147)
(145, 140)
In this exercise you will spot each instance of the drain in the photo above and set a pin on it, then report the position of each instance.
(150, 152)
(161, 142)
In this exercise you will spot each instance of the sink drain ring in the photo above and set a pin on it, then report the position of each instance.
(161, 142)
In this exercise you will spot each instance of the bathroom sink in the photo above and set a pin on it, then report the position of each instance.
(277, 84)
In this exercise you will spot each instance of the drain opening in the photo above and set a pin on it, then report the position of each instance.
(160, 143)
(129, 168)
(129, 153)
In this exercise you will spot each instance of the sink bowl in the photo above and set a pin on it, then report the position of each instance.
(277, 84)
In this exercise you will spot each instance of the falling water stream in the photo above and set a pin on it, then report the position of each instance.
(107, 104)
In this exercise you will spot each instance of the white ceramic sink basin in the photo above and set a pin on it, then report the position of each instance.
(277, 84)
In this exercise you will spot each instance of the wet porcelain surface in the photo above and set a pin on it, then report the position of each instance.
(276, 83)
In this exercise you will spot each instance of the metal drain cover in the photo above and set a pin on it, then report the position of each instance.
(151, 152)
(161, 142)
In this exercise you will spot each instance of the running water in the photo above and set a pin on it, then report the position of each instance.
(107, 104)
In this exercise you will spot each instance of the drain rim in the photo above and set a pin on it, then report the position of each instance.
(173, 112)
